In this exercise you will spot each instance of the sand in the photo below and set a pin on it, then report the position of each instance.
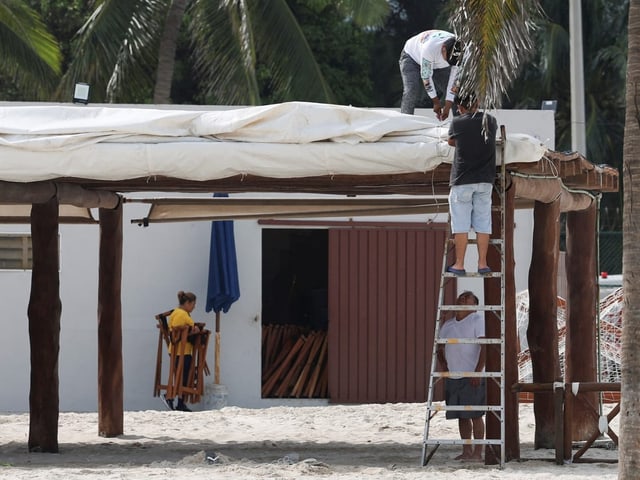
(327, 442)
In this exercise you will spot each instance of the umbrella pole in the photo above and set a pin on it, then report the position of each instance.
(216, 367)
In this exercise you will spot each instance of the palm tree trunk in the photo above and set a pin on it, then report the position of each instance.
(629, 461)
(167, 53)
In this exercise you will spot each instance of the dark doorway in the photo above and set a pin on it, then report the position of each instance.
(294, 277)
(294, 312)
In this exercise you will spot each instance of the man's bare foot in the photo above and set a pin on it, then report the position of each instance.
(463, 456)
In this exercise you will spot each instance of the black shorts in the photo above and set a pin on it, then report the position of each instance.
(459, 391)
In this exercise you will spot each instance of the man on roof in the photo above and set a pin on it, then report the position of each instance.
(429, 61)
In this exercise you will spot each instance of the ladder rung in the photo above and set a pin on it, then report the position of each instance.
(473, 308)
(473, 241)
(471, 441)
(474, 274)
(468, 374)
(474, 341)
(465, 408)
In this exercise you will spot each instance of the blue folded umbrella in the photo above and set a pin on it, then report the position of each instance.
(223, 288)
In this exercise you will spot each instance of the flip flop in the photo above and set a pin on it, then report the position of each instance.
(456, 271)
(484, 270)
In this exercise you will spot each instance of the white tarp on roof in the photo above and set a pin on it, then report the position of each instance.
(286, 140)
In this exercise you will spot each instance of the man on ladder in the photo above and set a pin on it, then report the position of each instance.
(472, 176)
(465, 357)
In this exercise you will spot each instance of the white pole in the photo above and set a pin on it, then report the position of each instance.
(578, 136)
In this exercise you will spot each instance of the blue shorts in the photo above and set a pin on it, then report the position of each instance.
(470, 207)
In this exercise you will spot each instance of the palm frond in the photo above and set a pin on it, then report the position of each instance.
(497, 35)
(369, 13)
(137, 59)
(115, 47)
(233, 39)
(224, 54)
(365, 13)
(612, 57)
(284, 49)
(28, 52)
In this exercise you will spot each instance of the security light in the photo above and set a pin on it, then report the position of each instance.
(549, 105)
(81, 93)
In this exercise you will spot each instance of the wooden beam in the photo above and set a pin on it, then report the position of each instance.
(547, 190)
(543, 312)
(582, 294)
(66, 193)
(110, 372)
(432, 182)
(573, 169)
(44, 329)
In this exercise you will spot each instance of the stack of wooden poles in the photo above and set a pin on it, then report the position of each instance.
(294, 362)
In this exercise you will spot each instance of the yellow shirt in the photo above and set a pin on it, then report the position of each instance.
(180, 318)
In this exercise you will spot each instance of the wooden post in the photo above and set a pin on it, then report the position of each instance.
(216, 367)
(44, 328)
(569, 402)
(543, 315)
(493, 297)
(580, 350)
(110, 376)
(558, 397)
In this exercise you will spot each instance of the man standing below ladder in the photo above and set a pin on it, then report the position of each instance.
(465, 357)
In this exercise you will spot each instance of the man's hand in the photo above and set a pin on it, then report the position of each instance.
(437, 108)
(445, 111)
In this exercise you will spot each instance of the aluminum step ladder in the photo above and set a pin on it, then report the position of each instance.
(430, 444)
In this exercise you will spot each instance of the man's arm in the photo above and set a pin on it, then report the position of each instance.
(451, 138)
(452, 89)
(442, 358)
(475, 381)
(430, 49)
(431, 91)
(482, 358)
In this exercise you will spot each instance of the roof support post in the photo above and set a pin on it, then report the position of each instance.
(543, 315)
(582, 295)
(110, 369)
(44, 312)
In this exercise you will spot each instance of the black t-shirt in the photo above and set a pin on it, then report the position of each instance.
(475, 157)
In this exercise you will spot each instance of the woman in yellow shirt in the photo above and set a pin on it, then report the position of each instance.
(180, 317)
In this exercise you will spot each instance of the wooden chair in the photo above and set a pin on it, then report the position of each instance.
(178, 338)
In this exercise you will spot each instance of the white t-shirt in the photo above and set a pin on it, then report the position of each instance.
(463, 357)
(426, 50)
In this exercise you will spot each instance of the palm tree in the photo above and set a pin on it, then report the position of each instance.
(125, 43)
(604, 66)
(629, 461)
(498, 39)
(605, 57)
(28, 52)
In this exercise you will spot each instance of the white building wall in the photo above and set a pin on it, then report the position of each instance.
(157, 262)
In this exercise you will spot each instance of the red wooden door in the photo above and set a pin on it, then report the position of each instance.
(383, 290)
